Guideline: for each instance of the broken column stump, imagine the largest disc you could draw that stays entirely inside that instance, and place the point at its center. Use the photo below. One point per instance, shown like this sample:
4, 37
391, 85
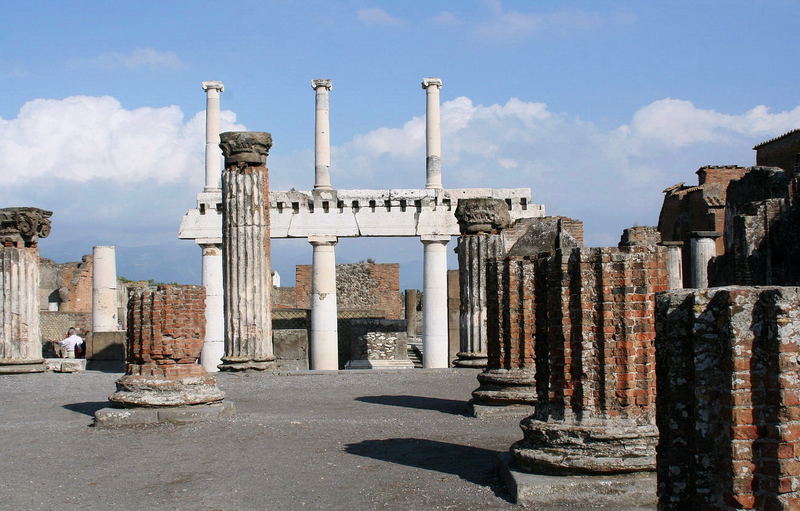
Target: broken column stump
595, 412
729, 398
163, 381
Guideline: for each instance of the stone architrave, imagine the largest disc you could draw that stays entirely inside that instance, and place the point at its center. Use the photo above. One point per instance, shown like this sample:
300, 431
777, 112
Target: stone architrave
480, 242
245, 252
166, 328
20, 339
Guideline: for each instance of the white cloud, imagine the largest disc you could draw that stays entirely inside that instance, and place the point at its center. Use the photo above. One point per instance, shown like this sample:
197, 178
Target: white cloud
509, 25
83, 138
139, 58
377, 16
445, 18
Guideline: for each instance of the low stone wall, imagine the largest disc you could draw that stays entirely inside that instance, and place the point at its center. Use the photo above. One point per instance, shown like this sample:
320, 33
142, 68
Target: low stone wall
728, 400
291, 349
362, 338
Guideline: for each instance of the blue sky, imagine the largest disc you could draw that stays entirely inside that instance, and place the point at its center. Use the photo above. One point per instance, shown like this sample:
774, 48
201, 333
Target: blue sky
597, 106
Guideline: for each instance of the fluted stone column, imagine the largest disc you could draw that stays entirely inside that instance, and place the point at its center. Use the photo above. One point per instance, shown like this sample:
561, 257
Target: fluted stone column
434, 302
245, 252
20, 338
104, 289
433, 133
322, 135
324, 347
480, 242
674, 263
20, 343
703, 249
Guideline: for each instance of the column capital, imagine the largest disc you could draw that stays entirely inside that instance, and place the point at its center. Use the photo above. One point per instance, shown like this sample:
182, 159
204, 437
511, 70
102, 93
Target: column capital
427, 82
251, 147
705, 234
22, 227
482, 214
213, 85
435, 238
322, 82
323, 240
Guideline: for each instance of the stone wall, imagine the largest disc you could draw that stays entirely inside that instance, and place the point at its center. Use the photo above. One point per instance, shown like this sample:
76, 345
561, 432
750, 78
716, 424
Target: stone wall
68, 284
359, 286
165, 327
728, 398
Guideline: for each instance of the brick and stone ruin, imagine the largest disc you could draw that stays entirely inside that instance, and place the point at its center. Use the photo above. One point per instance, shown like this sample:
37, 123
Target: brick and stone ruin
163, 381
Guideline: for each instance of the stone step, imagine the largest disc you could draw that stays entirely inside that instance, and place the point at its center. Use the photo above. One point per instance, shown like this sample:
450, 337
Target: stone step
415, 353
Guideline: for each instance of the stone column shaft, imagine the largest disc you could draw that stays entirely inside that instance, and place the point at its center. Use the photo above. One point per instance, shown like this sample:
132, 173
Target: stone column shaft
433, 133
411, 313
434, 298
674, 264
245, 252
20, 344
474, 253
214, 344
324, 332
703, 249
322, 135
213, 154
104, 289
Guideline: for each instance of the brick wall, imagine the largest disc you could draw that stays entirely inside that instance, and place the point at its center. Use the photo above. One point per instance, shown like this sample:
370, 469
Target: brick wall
728, 408
779, 152
360, 286
166, 327
584, 320
70, 284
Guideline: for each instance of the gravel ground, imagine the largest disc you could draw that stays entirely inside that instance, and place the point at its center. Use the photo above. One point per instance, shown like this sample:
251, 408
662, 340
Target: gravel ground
368, 440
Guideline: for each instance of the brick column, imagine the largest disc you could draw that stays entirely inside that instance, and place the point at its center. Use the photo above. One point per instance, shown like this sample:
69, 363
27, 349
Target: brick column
166, 327
480, 221
729, 398
20, 339
246, 268
595, 406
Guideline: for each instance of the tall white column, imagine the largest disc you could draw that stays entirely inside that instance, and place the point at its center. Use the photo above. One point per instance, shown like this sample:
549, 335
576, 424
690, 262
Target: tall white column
322, 135
324, 333
703, 249
214, 344
213, 153
104, 289
674, 264
434, 302
433, 133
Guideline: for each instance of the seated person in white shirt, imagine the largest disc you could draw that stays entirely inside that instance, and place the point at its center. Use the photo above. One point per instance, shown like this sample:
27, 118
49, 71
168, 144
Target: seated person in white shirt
69, 343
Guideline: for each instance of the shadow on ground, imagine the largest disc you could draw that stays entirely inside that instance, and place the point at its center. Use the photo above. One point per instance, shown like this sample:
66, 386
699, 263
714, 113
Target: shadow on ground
472, 464
88, 407
452, 406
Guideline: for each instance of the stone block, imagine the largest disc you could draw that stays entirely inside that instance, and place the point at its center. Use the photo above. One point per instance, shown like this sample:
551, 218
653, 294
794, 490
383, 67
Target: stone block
106, 346
291, 345
121, 417
631, 492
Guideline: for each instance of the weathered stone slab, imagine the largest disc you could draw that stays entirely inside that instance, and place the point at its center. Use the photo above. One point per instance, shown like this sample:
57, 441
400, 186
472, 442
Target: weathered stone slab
480, 411
630, 492
65, 365
121, 417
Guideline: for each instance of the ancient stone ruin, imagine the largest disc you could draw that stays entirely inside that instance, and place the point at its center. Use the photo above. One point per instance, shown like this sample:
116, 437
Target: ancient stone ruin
20, 345
163, 381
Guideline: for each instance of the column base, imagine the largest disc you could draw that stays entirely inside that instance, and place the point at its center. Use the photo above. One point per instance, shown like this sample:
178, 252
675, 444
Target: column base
506, 387
591, 446
120, 417
18, 366
471, 359
246, 364
136, 391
